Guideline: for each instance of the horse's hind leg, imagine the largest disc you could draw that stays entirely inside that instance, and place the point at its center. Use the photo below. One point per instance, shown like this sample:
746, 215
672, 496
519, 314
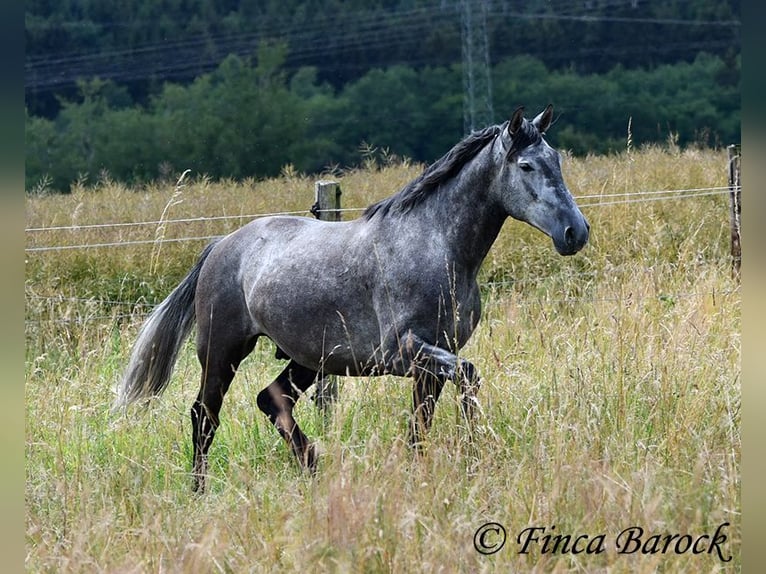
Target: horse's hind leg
218, 370
277, 401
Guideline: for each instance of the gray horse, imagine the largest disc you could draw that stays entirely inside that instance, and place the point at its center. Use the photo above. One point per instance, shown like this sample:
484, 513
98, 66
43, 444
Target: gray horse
392, 292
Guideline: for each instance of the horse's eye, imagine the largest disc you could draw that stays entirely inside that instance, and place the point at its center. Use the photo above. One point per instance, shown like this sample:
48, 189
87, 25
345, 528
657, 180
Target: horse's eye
526, 166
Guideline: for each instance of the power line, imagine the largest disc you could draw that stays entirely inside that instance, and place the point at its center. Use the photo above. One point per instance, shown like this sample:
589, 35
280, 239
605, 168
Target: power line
190, 56
246, 42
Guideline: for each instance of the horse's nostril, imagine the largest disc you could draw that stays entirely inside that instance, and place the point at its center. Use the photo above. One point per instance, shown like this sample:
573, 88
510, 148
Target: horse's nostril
569, 235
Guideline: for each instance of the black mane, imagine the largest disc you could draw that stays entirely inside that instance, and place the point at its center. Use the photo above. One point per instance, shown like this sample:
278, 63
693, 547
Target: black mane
437, 173
448, 166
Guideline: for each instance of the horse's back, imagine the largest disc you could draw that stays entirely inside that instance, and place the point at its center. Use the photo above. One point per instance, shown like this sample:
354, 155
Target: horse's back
301, 282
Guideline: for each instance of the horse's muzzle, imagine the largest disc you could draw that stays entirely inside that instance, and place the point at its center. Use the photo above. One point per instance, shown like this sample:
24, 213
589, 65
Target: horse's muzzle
572, 237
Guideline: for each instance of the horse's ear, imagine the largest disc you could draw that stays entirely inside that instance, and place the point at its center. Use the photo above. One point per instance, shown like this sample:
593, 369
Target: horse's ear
516, 120
543, 121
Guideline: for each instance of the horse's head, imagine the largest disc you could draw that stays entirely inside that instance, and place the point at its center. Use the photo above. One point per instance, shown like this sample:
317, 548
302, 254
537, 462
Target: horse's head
532, 187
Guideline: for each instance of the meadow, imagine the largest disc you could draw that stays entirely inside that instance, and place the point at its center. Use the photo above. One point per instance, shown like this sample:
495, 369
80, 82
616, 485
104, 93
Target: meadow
610, 399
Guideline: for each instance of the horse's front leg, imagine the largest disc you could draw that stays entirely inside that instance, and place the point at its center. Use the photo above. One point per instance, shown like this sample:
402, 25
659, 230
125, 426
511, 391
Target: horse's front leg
425, 392
432, 367
468, 383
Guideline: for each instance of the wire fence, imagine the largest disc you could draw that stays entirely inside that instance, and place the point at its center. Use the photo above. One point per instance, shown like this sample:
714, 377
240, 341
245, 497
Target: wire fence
136, 310
584, 201
159, 222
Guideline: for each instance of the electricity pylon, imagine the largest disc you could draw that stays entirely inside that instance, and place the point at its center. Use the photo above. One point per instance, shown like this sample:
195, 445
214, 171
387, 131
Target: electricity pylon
477, 80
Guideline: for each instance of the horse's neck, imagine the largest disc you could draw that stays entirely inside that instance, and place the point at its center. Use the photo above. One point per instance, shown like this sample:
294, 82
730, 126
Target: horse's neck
465, 214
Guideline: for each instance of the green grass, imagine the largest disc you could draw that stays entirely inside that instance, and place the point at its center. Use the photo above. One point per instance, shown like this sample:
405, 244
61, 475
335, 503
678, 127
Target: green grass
611, 397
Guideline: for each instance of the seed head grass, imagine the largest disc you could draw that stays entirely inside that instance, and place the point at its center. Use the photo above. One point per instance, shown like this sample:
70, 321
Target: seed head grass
610, 397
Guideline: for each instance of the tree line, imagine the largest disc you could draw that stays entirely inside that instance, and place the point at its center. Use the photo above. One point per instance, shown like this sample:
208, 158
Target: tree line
252, 118
144, 43
240, 88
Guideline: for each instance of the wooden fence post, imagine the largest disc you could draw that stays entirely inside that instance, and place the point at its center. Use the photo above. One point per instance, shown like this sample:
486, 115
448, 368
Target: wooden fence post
327, 208
735, 196
326, 201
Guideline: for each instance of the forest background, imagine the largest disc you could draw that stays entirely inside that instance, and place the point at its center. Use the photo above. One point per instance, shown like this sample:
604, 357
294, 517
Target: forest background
144, 90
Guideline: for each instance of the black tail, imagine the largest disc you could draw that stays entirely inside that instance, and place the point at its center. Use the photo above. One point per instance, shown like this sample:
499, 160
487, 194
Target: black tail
156, 349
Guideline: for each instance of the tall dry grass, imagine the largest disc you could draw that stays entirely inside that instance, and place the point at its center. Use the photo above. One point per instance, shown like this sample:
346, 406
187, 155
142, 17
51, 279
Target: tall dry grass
611, 397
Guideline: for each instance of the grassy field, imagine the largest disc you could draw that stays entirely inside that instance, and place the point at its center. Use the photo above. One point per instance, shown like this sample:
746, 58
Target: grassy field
611, 398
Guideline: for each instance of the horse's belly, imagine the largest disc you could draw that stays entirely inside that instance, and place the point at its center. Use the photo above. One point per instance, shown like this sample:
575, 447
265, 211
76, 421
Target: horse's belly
330, 345
322, 325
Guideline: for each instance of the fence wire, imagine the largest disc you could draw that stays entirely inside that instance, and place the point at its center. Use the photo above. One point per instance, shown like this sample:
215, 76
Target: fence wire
598, 200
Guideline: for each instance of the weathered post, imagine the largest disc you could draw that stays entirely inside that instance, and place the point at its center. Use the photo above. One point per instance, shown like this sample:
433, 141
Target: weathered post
735, 196
326, 200
327, 208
